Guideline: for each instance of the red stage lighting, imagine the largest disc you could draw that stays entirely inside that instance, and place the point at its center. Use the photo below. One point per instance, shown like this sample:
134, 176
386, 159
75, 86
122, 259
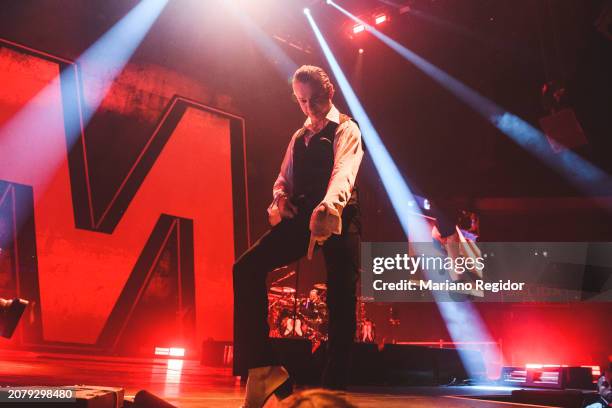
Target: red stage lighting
361, 50
170, 351
379, 19
596, 370
358, 28
552, 376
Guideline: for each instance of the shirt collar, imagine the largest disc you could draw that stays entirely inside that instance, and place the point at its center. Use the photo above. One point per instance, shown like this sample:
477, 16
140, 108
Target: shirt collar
333, 116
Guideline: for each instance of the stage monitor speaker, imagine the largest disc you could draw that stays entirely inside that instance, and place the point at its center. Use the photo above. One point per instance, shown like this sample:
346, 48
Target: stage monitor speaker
578, 377
366, 364
448, 367
408, 365
144, 399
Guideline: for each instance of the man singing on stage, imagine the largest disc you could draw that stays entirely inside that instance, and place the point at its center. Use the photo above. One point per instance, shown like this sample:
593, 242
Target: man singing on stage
314, 203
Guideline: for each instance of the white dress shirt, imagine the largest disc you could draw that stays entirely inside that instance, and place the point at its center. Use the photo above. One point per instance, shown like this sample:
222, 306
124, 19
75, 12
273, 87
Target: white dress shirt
348, 152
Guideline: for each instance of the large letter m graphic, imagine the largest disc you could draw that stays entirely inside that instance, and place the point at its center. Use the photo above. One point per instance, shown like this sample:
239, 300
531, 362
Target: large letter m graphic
87, 266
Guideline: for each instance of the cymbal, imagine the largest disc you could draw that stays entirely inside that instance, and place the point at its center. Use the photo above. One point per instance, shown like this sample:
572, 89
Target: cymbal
281, 302
320, 286
282, 289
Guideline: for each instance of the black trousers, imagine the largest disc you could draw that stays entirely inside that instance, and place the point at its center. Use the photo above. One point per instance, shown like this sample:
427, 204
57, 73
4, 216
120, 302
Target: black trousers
284, 243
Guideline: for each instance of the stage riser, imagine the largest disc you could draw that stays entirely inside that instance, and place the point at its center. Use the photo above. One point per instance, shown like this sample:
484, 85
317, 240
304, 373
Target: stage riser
395, 364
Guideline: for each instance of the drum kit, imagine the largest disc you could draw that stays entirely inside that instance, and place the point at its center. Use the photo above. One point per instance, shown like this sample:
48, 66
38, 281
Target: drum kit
295, 316
307, 316
298, 316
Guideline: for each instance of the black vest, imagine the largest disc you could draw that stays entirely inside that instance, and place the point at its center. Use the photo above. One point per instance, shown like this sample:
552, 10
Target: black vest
313, 165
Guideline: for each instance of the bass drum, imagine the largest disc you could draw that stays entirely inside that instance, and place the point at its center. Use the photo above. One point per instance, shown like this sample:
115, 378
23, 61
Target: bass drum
288, 326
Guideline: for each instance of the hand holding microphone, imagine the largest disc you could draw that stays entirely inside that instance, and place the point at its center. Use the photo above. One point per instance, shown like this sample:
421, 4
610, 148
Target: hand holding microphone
319, 228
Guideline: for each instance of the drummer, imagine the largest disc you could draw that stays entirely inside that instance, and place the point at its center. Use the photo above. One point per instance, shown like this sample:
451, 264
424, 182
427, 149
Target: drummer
310, 306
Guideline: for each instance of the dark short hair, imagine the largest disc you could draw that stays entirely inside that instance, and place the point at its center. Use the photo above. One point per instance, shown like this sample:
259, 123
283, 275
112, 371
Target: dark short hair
314, 76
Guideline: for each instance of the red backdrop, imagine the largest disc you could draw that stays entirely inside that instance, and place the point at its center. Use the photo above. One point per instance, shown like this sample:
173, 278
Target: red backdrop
81, 273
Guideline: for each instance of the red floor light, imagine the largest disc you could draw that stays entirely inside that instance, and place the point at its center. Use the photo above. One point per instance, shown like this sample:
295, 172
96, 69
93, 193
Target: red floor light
596, 370
358, 28
536, 366
170, 351
553, 376
176, 365
162, 351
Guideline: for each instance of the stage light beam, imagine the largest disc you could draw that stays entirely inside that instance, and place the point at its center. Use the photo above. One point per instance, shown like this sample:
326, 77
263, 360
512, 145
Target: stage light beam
582, 174
283, 64
97, 67
462, 320
413, 224
107, 57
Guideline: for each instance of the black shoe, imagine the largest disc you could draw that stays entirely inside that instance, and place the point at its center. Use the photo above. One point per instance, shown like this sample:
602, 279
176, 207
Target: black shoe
256, 400
285, 389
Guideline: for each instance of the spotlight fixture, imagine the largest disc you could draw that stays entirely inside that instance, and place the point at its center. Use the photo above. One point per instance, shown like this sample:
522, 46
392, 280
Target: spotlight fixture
379, 19
358, 28
404, 9
306, 10
10, 313
361, 51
